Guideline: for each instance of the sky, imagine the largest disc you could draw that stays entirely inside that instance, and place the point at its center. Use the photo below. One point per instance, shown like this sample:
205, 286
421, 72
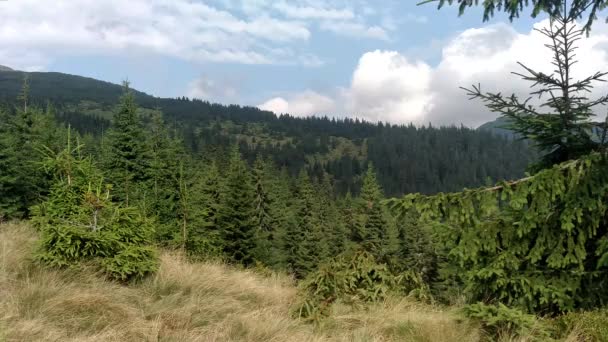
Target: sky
378, 60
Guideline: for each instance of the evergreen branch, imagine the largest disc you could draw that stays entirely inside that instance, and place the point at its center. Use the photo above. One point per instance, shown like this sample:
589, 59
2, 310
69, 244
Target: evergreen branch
497, 103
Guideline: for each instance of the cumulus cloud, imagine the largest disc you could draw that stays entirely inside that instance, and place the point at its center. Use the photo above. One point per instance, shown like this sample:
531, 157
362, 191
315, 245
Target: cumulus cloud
309, 11
389, 86
488, 56
205, 88
33, 35
225, 31
190, 30
340, 17
301, 104
355, 29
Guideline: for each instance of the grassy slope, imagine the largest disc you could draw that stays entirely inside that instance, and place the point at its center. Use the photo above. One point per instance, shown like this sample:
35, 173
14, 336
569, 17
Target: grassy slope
186, 302
206, 301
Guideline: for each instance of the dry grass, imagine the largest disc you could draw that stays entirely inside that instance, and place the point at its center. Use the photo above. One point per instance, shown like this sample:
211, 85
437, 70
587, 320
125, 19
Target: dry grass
187, 302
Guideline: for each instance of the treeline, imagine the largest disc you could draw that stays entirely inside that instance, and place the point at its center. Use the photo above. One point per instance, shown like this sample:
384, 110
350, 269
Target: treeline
141, 187
406, 158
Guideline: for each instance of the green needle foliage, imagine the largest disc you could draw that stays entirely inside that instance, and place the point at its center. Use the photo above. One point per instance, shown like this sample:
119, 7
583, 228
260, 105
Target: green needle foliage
22, 136
205, 234
127, 156
565, 130
375, 234
539, 244
351, 277
306, 245
237, 212
79, 222
588, 9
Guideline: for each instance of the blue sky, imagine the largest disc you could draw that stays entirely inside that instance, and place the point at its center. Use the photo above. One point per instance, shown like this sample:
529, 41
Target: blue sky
386, 60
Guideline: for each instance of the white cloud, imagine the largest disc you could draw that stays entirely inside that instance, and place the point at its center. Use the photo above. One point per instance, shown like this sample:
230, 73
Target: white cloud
489, 55
277, 105
389, 86
301, 104
355, 29
312, 12
222, 31
341, 17
184, 29
206, 88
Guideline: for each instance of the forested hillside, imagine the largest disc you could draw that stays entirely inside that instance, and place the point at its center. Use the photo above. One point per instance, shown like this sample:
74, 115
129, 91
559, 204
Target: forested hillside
129, 217
407, 158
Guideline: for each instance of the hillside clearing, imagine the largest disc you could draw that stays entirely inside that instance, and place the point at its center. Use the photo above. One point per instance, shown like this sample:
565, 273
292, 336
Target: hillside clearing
187, 302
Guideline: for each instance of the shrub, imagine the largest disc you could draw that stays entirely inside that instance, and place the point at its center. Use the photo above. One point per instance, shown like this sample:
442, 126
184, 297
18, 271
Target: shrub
500, 320
351, 278
586, 325
132, 262
79, 222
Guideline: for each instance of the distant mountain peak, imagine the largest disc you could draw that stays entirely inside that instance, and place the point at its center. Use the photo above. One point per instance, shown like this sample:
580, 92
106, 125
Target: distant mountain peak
5, 68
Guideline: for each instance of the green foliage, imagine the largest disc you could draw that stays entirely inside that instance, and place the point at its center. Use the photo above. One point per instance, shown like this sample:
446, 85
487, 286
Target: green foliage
513, 8
415, 251
126, 159
265, 223
537, 244
131, 262
565, 130
407, 158
237, 212
374, 233
587, 326
305, 244
163, 176
22, 181
204, 238
499, 320
351, 277
80, 223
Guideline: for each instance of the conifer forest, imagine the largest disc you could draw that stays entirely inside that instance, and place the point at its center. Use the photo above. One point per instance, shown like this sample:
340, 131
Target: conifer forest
196, 221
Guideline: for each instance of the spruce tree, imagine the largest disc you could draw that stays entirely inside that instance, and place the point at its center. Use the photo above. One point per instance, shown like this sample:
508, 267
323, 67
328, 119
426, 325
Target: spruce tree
375, 235
305, 241
263, 219
24, 137
168, 175
11, 201
283, 210
237, 212
564, 131
208, 188
332, 225
351, 219
126, 157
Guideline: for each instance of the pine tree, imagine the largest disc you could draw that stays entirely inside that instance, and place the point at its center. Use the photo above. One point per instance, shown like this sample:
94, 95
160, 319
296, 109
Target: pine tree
208, 188
283, 212
351, 218
167, 176
11, 201
126, 160
565, 131
263, 219
375, 235
305, 241
24, 94
237, 212
78, 222
332, 226
23, 138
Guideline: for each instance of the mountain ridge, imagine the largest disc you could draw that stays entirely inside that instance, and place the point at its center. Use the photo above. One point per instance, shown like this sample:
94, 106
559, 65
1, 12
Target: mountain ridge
408, 158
